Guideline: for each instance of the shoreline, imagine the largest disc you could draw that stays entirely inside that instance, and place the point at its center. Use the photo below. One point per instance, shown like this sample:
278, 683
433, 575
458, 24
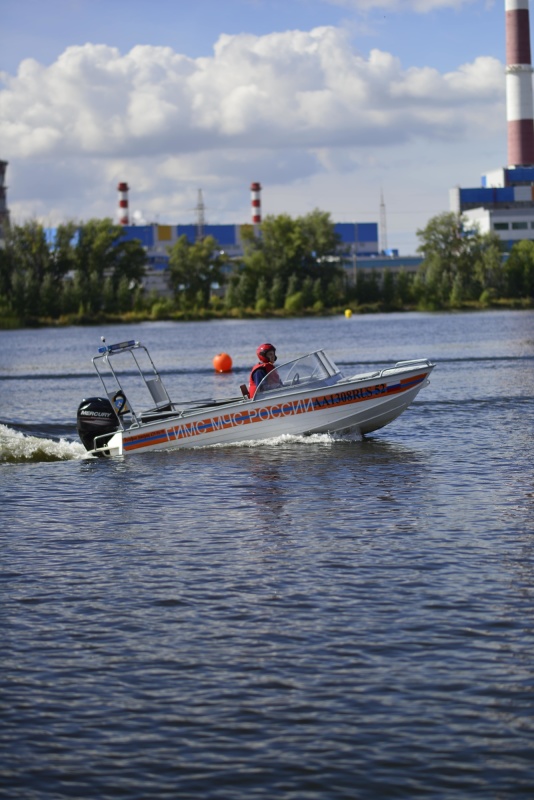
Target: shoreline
205, 315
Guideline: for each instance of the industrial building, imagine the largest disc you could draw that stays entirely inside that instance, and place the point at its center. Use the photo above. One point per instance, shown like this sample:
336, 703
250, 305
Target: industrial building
504, 203
359, 241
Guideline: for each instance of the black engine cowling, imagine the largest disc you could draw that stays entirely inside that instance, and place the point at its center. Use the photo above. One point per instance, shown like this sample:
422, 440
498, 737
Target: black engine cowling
95, 417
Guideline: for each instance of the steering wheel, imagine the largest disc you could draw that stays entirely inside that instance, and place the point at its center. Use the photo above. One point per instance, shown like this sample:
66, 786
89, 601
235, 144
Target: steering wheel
295, 380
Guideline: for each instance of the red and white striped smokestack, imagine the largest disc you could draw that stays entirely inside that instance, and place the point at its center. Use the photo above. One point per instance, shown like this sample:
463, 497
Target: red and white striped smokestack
255, 189
519, 102
122, 189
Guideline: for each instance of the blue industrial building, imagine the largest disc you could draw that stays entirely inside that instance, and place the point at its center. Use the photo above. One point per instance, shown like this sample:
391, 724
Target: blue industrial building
358, 249
503, 204
359, 238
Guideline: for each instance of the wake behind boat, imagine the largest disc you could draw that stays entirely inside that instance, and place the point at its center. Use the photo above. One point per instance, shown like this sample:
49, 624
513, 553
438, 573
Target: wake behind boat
303, 396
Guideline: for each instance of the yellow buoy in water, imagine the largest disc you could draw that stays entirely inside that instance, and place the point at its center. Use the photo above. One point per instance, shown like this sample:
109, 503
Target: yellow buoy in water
222, 362
348, 313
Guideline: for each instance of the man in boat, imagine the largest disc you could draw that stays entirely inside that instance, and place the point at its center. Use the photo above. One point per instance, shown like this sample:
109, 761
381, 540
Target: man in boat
267, 356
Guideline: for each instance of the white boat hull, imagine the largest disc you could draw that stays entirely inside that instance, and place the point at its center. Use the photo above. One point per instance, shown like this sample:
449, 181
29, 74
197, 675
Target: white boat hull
361, 404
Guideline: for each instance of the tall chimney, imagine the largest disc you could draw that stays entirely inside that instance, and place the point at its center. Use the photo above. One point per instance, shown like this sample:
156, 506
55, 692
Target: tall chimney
519, 101
255, 189
124, 219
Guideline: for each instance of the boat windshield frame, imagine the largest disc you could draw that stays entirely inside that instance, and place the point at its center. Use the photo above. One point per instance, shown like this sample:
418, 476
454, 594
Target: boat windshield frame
314, 370
145, 370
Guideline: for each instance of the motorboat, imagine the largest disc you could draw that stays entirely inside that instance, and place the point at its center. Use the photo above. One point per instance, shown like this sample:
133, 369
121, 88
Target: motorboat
306, 395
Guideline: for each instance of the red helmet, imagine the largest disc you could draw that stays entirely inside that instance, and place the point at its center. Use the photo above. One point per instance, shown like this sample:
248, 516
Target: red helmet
263, 349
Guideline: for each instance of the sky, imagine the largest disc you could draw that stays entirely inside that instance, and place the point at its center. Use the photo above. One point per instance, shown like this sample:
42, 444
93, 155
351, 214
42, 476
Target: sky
371, 110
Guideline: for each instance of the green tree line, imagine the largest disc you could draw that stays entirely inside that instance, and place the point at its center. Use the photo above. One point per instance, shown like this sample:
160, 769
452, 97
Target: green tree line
291, 265
84, 270
461, 265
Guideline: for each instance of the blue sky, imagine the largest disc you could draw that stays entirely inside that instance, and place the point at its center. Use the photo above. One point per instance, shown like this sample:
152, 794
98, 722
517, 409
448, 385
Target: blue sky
442, 37
328, 103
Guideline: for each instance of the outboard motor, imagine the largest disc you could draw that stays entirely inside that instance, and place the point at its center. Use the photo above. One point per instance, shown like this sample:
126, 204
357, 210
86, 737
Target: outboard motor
95, 417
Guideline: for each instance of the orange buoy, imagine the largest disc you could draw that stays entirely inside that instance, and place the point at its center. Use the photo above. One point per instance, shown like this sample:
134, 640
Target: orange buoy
222, 363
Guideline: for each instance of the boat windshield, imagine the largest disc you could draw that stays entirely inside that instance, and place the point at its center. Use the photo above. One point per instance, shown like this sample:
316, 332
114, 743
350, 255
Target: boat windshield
313, 369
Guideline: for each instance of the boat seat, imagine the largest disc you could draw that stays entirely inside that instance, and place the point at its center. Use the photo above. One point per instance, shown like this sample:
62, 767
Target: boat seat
159, 395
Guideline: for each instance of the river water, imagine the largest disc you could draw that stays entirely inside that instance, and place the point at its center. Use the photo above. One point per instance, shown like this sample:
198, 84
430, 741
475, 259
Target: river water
299, 619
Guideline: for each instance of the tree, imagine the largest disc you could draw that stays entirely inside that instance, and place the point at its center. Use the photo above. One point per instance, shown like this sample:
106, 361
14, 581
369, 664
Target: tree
388, 288
321, 243
193, 268
231, 297
28, 264
44, 274
307, 292
489, 270
62, 250
403, 288
367, 287
246, 290
305, 247
519, 270
277, 293
335, 291
101, 253
7, 273
262, 296
457, 259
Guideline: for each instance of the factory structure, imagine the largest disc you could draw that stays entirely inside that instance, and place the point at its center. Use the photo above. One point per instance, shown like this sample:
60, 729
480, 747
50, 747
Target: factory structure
504, 203
358, 241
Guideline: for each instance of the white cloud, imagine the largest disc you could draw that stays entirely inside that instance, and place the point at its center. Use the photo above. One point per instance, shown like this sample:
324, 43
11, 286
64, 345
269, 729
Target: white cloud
282, 108
292, 89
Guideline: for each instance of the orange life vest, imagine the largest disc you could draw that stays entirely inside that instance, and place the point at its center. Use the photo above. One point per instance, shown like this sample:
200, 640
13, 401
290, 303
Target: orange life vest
268, 367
